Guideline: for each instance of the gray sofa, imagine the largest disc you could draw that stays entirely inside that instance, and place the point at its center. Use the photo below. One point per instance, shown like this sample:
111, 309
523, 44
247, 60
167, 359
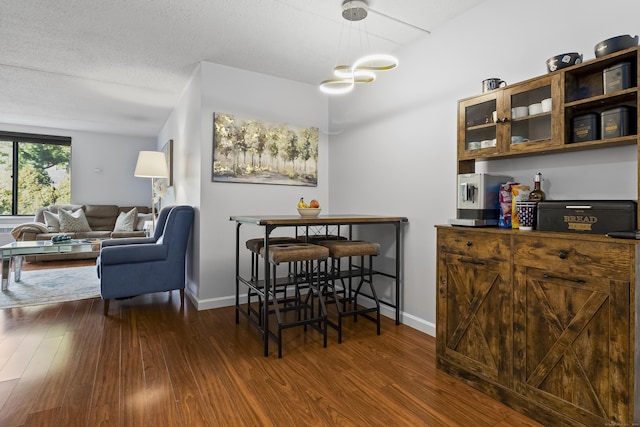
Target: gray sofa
101, 220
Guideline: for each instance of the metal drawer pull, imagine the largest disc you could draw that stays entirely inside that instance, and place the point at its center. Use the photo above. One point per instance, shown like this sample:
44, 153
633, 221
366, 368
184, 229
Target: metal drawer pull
578, 207
549, 276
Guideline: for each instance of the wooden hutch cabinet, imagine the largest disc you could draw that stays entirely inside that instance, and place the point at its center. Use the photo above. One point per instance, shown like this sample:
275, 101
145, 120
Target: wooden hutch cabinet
545, 322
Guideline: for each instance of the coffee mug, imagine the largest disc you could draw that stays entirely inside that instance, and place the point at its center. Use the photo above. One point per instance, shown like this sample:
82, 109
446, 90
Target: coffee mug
491, 84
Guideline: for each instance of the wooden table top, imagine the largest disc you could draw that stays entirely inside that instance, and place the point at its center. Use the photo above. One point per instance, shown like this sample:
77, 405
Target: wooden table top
319, 220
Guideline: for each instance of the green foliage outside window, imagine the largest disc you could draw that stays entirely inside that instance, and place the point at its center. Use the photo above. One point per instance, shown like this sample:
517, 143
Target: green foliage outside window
43, 176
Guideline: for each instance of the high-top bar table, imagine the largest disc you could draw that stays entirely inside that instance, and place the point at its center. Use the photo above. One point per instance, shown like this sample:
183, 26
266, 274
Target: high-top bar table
271, 222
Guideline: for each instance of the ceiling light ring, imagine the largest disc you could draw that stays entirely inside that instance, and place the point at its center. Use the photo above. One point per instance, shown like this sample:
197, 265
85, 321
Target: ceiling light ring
359, 75
337, 86
386, 62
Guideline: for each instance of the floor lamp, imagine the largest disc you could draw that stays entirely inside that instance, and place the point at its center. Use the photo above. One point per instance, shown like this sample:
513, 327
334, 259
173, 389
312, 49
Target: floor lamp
152, 164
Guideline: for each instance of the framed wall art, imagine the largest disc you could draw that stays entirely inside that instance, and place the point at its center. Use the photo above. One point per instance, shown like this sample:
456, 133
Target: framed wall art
167, 149
253, 151
162, 186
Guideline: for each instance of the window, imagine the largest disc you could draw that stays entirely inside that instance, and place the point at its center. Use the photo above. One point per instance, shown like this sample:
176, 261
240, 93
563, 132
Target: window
34, 172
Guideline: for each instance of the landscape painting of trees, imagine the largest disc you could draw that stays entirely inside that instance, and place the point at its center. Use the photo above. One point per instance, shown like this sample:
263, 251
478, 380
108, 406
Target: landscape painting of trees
252, 151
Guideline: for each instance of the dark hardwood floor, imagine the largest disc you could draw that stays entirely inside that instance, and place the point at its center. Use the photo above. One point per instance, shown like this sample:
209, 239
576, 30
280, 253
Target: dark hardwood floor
151, 363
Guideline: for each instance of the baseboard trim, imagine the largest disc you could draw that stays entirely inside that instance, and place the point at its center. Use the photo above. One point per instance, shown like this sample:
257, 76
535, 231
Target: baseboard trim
408, 319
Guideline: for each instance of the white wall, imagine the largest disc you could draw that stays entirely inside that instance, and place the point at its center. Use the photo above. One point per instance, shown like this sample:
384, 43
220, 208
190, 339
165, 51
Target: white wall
184, 127
229, 90
393, 143
102, 166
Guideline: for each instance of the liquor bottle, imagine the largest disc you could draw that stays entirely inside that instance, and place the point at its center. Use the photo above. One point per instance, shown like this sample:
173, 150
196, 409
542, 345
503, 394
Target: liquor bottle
537, 194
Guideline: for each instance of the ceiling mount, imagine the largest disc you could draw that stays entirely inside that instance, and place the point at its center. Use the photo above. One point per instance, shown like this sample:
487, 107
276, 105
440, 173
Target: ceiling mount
354, 10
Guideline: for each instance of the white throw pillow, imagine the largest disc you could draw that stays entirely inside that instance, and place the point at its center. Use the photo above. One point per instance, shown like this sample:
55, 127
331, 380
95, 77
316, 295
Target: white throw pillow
52, 222
141, 220
73, 222
126, 221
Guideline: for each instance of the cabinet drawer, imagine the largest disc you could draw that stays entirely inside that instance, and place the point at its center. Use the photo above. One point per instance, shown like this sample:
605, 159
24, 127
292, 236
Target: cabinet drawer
474, 244
579, 257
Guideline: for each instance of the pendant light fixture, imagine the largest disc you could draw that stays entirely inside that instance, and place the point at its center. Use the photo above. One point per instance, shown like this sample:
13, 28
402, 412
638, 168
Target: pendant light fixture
362, 70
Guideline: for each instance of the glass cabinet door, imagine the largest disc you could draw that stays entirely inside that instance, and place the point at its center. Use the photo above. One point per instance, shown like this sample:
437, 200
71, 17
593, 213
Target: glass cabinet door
477, 134
532, 114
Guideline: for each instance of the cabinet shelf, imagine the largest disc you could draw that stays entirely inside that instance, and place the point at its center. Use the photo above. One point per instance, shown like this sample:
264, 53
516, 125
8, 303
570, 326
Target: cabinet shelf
481, 127
602, 143
627, 95
532, 116
541, 147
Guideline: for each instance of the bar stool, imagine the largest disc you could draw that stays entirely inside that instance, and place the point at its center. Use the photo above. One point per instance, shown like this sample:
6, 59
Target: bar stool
255, 247
306, 253
347, 249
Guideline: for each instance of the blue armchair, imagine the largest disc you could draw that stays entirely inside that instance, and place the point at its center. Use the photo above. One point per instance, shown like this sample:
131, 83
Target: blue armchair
130, 267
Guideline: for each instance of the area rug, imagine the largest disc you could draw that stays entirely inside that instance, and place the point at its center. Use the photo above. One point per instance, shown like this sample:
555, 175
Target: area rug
51, 285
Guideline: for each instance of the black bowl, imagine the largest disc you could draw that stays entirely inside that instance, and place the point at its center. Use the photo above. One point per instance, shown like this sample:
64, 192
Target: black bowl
615, 44
562, 61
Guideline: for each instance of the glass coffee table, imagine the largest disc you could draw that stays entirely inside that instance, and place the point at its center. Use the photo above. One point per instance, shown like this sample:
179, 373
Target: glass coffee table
14, 253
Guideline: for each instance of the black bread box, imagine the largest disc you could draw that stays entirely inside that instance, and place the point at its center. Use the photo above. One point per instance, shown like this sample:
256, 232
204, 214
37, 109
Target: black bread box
587, 216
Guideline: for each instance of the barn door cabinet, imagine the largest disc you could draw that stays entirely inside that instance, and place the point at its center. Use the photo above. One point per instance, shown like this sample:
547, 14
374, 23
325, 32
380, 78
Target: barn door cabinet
543, 322
474, 301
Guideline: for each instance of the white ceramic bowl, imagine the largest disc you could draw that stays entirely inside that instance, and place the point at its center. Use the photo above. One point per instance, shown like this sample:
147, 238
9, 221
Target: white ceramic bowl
518, 112
486, 143
518, 139
546, 105
535, 108
473, 145
309, 212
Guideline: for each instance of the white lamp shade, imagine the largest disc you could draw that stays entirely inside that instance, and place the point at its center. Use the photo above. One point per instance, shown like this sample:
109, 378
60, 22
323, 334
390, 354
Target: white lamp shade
151, 164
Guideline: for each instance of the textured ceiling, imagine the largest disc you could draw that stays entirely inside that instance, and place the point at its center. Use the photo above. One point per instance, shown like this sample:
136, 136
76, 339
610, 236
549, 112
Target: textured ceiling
119, 66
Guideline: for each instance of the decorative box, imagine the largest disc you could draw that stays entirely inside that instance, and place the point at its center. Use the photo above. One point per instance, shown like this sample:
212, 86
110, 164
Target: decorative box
587, 216
617, 77
585, 127
615, 122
